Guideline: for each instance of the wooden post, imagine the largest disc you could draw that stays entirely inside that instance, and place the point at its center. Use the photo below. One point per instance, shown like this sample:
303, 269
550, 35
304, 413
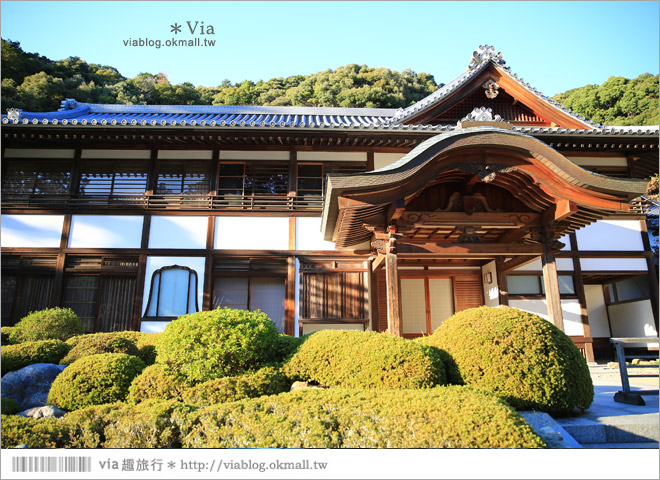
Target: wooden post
551, 282
501, 281
392, 283
652, 273
290, 298
582, 298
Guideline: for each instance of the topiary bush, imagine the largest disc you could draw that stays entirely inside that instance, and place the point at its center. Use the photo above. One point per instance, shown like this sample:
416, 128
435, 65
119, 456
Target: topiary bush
49, 324
95, 380
518, 356
9, 406
266, 381
15, 357
4, 335
155, 383
219, 343
33, 432
354, 359
285, 346
441, 417
96, 343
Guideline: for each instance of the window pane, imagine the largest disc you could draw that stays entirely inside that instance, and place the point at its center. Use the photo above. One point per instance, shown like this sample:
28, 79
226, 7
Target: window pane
173, 296
441, 297
566, 285
523, 284
631, 289
310, 171
230, 292
413, 305
267, 295
231, 169
36, 177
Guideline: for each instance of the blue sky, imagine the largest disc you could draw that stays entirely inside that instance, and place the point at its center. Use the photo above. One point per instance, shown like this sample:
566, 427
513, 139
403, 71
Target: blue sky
554, 46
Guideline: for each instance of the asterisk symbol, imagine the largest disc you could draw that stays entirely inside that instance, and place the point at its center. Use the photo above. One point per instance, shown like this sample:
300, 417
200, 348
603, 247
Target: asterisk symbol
176, 28
171, 465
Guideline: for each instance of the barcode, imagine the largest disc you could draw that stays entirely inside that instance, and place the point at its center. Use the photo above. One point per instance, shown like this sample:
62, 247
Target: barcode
51, 464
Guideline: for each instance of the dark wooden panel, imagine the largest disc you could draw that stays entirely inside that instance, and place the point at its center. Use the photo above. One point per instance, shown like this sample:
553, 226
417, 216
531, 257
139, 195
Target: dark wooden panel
468, 293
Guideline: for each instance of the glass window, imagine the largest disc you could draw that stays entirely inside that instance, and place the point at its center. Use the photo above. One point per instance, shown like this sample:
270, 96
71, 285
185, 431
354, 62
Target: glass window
630, 289
310, 179
524, 285
173, 292
183, 177
36, 177
566, 285
108, 177
230, 181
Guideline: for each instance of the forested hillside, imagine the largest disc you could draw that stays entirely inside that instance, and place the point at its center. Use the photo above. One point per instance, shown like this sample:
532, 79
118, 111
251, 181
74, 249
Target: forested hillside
35, 83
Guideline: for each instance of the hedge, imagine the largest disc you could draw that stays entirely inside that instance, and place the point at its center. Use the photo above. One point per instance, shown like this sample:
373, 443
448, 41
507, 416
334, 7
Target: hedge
219, 343
95, 380
518, 356
4, 335
33, 432
442, 417
155, 383
15, 357
49, 324
9, 406
96, 343
354, 359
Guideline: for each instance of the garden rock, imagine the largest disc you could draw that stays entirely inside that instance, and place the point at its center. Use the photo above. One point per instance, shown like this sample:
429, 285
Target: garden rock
30, 385
304, 386
43, 412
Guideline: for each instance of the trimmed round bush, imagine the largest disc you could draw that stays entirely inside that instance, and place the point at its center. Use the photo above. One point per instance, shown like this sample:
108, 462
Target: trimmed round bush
4, 335
96, 343
285, 346
15, 357
9, 406
95, 380
354, 359
441, 417
518, 356
155, 383
219, 343
33, 432
49, 324
266, 381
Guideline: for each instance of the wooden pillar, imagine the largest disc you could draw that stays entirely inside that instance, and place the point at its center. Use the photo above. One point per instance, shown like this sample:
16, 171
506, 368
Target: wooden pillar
207, 298
551, 282
370, 161
392, 284
502, 287
582, 298
290, 298
58, 281
139, 291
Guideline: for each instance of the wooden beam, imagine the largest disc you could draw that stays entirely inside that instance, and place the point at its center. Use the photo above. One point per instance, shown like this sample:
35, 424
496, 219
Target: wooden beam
483, 219
515, 262
582, 299
469, 249
560, 211
551, 282
393, 294
378, 263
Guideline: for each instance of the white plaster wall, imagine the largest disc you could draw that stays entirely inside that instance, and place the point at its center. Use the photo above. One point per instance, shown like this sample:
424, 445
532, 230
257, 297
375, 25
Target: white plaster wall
563, 265
253, 155
613, 264
309, 236
178, 232
384, 159
610, 235
131, 154
252, 233
491, 290
154, 263
31, 230
332, 156
632, 319
315, 327
105, 231
597, 311
39, 153
185, 154
570, 310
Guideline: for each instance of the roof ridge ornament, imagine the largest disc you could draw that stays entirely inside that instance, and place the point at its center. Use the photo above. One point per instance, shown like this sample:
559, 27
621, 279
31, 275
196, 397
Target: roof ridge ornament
14, 113
483, 54
481, 114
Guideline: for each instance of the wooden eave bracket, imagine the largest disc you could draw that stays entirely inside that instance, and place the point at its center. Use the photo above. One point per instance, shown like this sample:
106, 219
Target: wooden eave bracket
560, 211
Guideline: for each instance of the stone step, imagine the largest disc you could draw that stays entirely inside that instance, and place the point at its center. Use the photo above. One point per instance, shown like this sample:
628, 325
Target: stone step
644, 428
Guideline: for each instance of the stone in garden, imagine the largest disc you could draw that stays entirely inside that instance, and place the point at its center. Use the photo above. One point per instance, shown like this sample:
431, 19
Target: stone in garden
30, 385
304, 386
43, 412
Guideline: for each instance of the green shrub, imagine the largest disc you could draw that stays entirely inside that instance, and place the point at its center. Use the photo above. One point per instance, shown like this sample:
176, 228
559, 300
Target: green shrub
4, 335
441, 417
452, 373
152, 424
214, 344
155, 383
144, 341
285, 346
9, 406
96, 343
15, 357
95, 380
33, 432
266, 381
354, 359
518, 356
49, 324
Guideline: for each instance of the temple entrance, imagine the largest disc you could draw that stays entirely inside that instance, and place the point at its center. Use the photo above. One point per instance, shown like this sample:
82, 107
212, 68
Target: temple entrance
425, 303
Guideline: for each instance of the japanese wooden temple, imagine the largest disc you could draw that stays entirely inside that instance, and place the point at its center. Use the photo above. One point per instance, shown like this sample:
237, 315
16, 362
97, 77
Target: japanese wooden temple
485, 192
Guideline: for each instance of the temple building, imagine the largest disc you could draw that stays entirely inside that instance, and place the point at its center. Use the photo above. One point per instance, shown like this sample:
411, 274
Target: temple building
486, 192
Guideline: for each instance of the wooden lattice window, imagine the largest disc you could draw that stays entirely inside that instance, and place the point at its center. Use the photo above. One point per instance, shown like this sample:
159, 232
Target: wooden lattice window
329, 296
36, 177
178, 177
113, 177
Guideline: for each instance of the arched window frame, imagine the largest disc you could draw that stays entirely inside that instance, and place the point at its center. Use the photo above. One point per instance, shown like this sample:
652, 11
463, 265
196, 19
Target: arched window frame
192, 278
